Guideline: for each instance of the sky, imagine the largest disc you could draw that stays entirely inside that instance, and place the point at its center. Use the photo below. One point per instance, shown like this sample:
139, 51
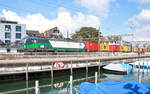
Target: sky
113, 17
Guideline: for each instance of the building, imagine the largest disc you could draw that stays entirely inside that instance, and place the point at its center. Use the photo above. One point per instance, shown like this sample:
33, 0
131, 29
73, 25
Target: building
11, 31
53, 33
35, 33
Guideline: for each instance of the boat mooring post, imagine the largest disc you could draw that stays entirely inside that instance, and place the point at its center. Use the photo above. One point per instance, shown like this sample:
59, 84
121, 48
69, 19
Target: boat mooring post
52, 71
139, 67
95, 77
71, 85
52, 88
27, 72
147, 66
143, 66
140, 77
71, 68
134, 67
148, 69
27, 86
134, 70
37, 90
99, 67
87, 71
127, 69
87, 67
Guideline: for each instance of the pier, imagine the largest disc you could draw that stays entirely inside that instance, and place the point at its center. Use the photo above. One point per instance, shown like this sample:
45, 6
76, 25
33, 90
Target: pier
50, 63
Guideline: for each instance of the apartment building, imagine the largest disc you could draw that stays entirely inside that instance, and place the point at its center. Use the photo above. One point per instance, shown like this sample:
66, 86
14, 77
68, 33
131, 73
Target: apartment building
11, 31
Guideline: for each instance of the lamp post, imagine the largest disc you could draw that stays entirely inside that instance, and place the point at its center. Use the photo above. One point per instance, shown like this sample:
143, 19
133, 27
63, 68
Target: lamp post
99, 39
132, 27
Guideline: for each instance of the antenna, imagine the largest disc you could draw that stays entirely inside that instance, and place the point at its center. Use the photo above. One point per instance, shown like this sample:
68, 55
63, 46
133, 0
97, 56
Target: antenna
132, 27
67, 34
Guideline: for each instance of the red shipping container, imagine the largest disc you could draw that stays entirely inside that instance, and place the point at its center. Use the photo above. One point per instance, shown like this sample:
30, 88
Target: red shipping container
117, 48
114, 48
91, 46
111, 48
138, 49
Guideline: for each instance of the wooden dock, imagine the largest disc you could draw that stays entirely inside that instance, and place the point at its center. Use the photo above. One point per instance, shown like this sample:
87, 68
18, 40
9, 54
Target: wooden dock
35, 65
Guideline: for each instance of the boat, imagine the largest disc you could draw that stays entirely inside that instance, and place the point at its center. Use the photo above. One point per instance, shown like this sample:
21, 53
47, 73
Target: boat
118, 68
142, 65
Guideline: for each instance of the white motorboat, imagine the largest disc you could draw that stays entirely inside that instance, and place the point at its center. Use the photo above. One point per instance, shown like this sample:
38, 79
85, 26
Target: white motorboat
118, 67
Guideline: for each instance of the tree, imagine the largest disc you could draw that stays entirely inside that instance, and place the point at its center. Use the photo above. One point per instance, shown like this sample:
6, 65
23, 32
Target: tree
86, 34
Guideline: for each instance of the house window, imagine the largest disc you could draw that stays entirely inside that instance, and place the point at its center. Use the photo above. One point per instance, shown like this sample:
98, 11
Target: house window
7, 35
18, 35
7, 27
18, 28
7, 41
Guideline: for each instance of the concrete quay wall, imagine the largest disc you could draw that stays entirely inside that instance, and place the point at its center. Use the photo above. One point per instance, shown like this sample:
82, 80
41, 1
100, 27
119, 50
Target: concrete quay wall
67, 59
48, 64
4, 56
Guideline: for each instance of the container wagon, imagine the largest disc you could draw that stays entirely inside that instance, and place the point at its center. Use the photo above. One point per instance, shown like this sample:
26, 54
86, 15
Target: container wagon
104, 47
145, 50
126, 48
91, 46
139, 49
135, 49
121, 48
114, 48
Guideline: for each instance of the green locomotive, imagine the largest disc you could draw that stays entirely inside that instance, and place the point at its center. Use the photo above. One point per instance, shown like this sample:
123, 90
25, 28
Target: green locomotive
36, 44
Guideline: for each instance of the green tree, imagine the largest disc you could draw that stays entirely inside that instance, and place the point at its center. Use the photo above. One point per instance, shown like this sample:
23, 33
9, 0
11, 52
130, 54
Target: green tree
87, 34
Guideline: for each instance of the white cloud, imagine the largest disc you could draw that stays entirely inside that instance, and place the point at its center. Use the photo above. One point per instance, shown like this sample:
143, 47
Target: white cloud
142, 21
99, 6
144, 16
143, 33
33, 21
143, 3
64, 21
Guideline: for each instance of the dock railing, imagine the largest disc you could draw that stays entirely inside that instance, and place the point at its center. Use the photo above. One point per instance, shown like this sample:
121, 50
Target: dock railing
33, 65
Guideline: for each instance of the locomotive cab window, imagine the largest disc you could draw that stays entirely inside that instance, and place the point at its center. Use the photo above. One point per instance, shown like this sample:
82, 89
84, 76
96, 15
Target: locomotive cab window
42, 41
30, 41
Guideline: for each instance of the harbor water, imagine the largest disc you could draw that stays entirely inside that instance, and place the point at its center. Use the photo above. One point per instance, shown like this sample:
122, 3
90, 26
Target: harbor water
60, 84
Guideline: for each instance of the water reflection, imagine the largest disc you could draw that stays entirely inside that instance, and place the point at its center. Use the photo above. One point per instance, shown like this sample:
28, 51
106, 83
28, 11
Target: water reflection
27, 87
140, 77
60, 85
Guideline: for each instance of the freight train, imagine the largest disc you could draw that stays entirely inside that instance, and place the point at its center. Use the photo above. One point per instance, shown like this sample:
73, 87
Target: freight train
35, 44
